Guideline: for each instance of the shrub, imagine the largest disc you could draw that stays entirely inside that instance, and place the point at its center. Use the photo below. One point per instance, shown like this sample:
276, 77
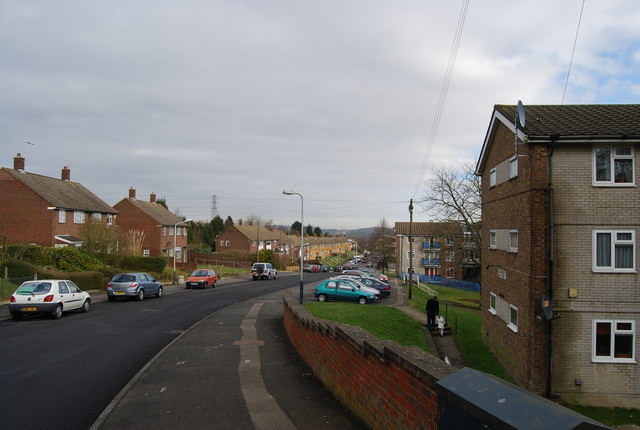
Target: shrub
71, 259
17, 268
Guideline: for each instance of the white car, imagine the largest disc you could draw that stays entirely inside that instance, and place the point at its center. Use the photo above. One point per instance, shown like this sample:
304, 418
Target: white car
48, 296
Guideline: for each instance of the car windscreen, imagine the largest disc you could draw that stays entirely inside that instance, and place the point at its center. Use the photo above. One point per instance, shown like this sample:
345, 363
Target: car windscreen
199, 273
34, 288
123, 278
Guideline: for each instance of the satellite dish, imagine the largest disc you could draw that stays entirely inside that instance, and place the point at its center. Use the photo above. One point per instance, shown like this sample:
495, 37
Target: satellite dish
521, 117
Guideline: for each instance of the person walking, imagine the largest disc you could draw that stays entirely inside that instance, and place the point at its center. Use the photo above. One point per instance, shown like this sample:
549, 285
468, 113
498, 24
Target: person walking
432, 308
441, 324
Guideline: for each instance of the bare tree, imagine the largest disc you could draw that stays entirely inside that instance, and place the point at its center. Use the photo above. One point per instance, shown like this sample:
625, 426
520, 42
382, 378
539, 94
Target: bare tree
455, 195
381, 245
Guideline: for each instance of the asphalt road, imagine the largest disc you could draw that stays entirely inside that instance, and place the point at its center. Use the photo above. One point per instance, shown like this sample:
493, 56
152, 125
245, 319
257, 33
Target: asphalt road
63, 373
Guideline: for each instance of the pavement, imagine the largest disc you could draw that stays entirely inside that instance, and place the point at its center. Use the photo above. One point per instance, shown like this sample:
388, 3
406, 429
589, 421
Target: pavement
236, 369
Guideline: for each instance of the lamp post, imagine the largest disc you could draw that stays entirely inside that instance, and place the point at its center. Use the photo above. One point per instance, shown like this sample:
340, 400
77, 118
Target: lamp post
353, 241
291, 193
175, 242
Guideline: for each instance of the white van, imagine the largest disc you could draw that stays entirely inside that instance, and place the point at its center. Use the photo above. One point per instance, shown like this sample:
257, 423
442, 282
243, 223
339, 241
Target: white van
263, 271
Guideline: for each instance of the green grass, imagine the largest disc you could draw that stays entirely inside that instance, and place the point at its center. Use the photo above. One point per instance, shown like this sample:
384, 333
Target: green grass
383, 322
609, 416
6, 289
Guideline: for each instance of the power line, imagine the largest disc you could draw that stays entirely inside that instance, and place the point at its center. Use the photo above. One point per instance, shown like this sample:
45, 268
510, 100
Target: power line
443, 93
575, 42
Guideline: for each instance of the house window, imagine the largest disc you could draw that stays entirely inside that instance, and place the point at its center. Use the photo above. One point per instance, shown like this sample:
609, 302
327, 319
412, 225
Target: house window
171, 231
513, 318
613, 165
613, 341
146, 253
109, 219
449, 241
513, 240
614, 251
78, 217
449, 271
227, 243
62, 216
492, 177
450, 256
492, 239
492, 303
513, 167
411, 254
222, 243
184, 231
96, 216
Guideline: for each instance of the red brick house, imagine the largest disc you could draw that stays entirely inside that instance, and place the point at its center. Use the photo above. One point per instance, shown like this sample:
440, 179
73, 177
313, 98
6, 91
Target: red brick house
154, 226
41, 210
560, 284
251, 239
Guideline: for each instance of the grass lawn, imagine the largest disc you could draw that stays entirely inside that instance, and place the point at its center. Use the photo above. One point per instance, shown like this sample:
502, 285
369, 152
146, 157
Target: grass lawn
6, 289
384, 322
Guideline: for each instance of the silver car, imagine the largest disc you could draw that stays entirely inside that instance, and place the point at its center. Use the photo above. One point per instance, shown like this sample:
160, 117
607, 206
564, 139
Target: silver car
133, 285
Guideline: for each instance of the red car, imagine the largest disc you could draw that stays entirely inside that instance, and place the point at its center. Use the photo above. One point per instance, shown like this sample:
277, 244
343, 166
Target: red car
202, 278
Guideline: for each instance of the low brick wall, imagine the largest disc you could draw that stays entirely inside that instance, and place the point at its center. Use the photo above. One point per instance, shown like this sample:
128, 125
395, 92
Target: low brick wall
386, 385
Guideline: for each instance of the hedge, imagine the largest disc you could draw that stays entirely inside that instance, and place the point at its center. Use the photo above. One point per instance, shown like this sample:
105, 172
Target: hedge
143, 264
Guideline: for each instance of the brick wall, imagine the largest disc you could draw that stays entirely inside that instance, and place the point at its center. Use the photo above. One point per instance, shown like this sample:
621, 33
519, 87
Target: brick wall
517, 278
130, 217
386, 385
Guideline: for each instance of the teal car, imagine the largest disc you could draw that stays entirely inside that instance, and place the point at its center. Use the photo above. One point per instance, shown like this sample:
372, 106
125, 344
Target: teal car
343, 290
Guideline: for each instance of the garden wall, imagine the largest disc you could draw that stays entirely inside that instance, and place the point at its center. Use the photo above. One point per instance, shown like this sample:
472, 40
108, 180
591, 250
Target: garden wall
386, 385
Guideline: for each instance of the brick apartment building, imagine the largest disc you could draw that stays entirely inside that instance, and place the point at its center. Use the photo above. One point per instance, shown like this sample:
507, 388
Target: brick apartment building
37, 209
560, 287
440, 251
156, 224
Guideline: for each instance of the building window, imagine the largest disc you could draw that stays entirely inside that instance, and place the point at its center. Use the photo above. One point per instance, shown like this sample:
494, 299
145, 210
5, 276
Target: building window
449, 241
411, 254
96, 216
492, 303
78, 217
62, 216
614, 251
222, 243
227, 243
513, 318
184, 231
171, 231
449, 272
613, 165
450, 256
513, 167
109, 219
146, 253
492, 177
492, 239
513, 240
613, 341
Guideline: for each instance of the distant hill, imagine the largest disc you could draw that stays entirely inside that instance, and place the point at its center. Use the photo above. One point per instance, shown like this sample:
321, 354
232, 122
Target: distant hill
363, 233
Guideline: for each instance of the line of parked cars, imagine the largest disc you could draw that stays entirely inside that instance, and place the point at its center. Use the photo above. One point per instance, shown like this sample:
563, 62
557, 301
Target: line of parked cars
55, 296
360, 286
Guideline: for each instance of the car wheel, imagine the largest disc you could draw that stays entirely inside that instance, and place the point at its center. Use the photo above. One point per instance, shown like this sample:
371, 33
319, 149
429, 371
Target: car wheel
57, 313
322, 298
16, 316
159, 293
140, 296
86, 306
362, 300
214, 285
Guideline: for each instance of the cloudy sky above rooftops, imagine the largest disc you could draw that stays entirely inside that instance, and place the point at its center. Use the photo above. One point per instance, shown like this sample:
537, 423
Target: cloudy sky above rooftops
334, 99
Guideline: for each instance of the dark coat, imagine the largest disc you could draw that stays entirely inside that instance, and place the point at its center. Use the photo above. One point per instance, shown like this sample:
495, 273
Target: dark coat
433, 307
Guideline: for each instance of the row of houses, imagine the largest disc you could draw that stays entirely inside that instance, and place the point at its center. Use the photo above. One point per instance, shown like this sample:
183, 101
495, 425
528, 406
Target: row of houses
46, 211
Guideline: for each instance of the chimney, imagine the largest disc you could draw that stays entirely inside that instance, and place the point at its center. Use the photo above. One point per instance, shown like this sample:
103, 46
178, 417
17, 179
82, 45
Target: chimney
132, 193
152, 197
66, 174
18, 162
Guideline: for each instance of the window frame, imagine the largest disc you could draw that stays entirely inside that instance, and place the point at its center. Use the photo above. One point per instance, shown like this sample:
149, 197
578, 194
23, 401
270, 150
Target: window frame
513, 167
614, 241
450, 256
513, 326
511, 236
492, 303
78, 217
62, 216
611, 358
493, 177
493, 239
613, 156
449, 272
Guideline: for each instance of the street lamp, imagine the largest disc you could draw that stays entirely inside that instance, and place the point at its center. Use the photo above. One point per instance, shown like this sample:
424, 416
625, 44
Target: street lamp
175, 242
291, 193
353, 241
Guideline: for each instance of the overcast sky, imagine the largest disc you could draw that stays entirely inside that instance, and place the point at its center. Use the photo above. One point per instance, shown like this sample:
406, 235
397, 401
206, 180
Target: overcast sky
334, 99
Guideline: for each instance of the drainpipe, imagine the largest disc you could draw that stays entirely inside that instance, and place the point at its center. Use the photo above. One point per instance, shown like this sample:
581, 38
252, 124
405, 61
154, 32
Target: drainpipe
550, 268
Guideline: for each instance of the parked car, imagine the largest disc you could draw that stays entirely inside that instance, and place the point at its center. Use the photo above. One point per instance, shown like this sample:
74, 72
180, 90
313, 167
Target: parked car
377, 274
358, 273
263, 271
324, 268
337, 268
382, 287
202, 278
343, 290
48, 296
133, 285
359, 285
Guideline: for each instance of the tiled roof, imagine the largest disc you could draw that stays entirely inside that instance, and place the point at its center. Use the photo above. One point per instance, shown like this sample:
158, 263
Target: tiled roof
576, 120
62, 194
429, 228
156, 211
253, 232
